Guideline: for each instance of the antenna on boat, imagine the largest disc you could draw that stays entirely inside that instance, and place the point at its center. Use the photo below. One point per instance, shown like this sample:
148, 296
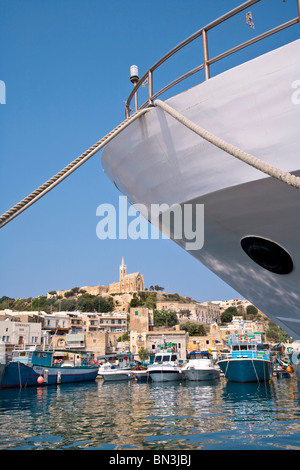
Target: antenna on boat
134, 78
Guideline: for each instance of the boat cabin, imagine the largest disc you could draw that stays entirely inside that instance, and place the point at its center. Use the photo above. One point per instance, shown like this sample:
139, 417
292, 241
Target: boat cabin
117, 360
61, 358
199, 355
36, 357
248, 346
166, 358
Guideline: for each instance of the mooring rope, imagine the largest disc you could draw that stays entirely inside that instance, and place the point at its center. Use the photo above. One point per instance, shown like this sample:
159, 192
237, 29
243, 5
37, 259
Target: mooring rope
60, 176
255, 162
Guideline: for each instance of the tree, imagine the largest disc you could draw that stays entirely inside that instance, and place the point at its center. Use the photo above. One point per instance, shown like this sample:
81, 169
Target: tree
134, 302
251, 310
275, 334
164, 318
142, 354
40, 303
185, 313
69, 293
193, 329
226, 316
6, 302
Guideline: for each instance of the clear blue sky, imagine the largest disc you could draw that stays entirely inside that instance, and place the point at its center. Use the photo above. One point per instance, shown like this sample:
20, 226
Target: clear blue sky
66, 64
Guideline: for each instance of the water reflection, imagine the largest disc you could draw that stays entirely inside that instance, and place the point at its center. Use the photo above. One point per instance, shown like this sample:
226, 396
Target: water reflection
129, 415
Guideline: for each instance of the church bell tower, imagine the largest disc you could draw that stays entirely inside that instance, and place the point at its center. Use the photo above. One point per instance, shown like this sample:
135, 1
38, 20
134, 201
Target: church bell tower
123, 270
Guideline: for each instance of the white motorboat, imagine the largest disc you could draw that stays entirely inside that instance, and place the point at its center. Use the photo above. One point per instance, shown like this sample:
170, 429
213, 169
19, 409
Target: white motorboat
200, 366
165, 368
119, 369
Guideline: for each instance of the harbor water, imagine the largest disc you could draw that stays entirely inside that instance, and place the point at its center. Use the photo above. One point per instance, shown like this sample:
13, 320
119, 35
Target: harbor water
152, 416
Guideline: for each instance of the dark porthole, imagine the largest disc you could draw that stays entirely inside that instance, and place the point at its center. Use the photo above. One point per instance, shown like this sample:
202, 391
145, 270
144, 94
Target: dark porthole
268, 254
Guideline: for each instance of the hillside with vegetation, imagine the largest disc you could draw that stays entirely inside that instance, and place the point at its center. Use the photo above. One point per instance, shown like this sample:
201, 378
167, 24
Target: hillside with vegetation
77, 299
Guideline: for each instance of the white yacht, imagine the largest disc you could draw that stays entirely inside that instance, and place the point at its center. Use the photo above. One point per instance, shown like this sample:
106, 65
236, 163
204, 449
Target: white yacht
249, 189
165, 368
200, 366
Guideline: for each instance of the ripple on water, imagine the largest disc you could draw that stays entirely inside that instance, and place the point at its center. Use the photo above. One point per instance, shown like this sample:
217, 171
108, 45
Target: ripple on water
153, 416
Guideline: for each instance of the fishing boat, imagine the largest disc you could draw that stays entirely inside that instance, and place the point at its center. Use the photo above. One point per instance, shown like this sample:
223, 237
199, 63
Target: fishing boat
282, 368
200, 366
250, 359
38, 367
166, 367
228, 147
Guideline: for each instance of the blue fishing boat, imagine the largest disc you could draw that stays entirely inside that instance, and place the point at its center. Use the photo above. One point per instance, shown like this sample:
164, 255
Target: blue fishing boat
36, 367
249, 360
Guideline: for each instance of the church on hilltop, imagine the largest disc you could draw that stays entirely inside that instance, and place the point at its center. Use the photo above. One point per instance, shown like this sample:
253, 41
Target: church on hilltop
127, 282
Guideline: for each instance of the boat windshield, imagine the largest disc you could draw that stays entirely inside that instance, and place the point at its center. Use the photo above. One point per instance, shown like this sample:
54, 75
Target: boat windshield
199, 355
243, 347
165, 358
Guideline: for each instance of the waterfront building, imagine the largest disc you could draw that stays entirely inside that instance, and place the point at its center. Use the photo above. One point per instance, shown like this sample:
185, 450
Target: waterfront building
114, 322
211, 341
90, 322
141, 319
144, 337
159, 339
58, 323
15, 333
22, 316
239, 304
206, 312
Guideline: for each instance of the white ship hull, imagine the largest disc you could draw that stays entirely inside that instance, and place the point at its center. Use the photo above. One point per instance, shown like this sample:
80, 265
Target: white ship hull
158, 160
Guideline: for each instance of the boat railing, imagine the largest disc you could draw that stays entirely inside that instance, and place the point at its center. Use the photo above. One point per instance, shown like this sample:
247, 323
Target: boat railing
207, 62
250, 354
